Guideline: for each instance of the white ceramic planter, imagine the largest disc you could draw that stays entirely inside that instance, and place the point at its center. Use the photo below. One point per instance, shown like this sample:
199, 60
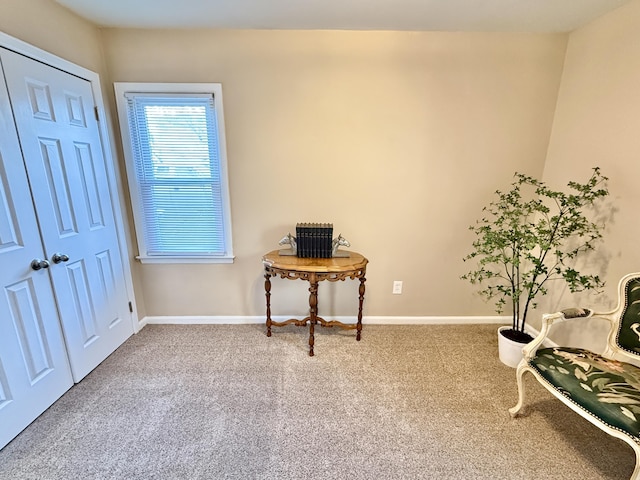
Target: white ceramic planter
510, 352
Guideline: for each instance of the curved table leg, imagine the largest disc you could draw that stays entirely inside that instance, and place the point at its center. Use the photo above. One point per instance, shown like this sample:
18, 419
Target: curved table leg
313, 309
267, 294
360, 302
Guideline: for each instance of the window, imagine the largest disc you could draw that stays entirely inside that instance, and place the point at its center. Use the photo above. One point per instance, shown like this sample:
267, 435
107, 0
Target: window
173, 138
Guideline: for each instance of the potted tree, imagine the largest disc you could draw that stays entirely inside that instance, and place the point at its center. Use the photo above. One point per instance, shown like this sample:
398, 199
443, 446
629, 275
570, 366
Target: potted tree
529, 236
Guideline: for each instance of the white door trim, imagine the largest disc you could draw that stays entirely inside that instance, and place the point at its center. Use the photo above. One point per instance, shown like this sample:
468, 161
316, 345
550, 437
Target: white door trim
113, 170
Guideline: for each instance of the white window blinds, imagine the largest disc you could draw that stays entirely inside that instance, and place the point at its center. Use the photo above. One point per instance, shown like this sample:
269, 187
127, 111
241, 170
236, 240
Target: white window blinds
174, 140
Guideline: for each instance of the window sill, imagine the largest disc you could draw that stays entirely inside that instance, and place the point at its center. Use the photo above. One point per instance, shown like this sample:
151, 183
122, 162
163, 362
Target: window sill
168, 259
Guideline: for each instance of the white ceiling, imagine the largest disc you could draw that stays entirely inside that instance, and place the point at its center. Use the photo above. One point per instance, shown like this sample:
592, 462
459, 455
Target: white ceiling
412, 15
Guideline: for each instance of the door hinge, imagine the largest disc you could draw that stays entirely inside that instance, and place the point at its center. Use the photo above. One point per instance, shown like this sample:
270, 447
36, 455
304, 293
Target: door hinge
130, 307
95, 109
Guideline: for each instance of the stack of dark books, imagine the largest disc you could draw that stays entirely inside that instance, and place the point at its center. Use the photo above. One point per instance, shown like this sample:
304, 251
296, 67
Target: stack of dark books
314, 240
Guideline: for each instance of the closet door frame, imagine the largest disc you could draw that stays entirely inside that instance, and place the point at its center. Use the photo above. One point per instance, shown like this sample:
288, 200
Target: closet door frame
112, 167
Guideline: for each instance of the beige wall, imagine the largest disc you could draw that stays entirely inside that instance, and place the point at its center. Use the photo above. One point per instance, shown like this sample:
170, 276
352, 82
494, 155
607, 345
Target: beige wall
397, 138
52, 28
597, 123
47, 25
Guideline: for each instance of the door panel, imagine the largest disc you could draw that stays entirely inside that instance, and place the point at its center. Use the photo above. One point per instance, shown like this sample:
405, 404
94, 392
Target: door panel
28, 321
34, 370
58, 183
60, 139
90, 189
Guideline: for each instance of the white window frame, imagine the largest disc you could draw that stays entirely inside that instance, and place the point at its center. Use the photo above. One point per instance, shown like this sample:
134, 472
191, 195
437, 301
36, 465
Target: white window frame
215, 89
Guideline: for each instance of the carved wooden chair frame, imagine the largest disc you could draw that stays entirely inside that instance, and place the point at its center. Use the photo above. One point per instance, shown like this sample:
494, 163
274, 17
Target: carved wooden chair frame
613, 351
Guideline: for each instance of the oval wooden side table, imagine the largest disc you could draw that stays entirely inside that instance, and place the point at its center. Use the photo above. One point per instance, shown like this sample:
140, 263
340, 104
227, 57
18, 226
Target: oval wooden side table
315, 270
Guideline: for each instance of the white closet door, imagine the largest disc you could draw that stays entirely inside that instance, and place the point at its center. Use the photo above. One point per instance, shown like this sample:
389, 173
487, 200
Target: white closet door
34, 371
60, 139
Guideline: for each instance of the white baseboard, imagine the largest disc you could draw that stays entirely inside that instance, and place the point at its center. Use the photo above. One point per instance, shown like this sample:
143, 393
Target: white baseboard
141, 324
367, 320
444, 320
534, 333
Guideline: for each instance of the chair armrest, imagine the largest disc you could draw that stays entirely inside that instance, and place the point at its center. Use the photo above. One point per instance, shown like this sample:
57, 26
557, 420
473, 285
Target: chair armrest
529, 351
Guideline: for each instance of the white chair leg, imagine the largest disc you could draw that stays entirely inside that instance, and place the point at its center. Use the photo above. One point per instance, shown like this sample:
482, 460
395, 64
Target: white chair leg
519, 373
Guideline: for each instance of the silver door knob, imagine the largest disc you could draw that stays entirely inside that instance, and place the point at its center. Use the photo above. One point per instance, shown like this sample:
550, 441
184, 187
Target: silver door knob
59, 257
38, 264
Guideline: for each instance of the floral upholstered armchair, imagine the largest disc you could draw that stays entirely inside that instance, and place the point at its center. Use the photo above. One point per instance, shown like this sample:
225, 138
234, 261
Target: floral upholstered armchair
604, 389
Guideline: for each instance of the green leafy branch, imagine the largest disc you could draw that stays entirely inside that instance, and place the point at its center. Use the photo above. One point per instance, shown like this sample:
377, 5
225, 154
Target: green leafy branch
531, 235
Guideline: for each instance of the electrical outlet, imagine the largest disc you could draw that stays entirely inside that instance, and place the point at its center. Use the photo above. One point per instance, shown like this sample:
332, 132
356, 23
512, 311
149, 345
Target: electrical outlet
397, 287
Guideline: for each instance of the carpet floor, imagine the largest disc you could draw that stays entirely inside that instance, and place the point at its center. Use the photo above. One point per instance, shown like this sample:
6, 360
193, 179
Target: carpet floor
226, 402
